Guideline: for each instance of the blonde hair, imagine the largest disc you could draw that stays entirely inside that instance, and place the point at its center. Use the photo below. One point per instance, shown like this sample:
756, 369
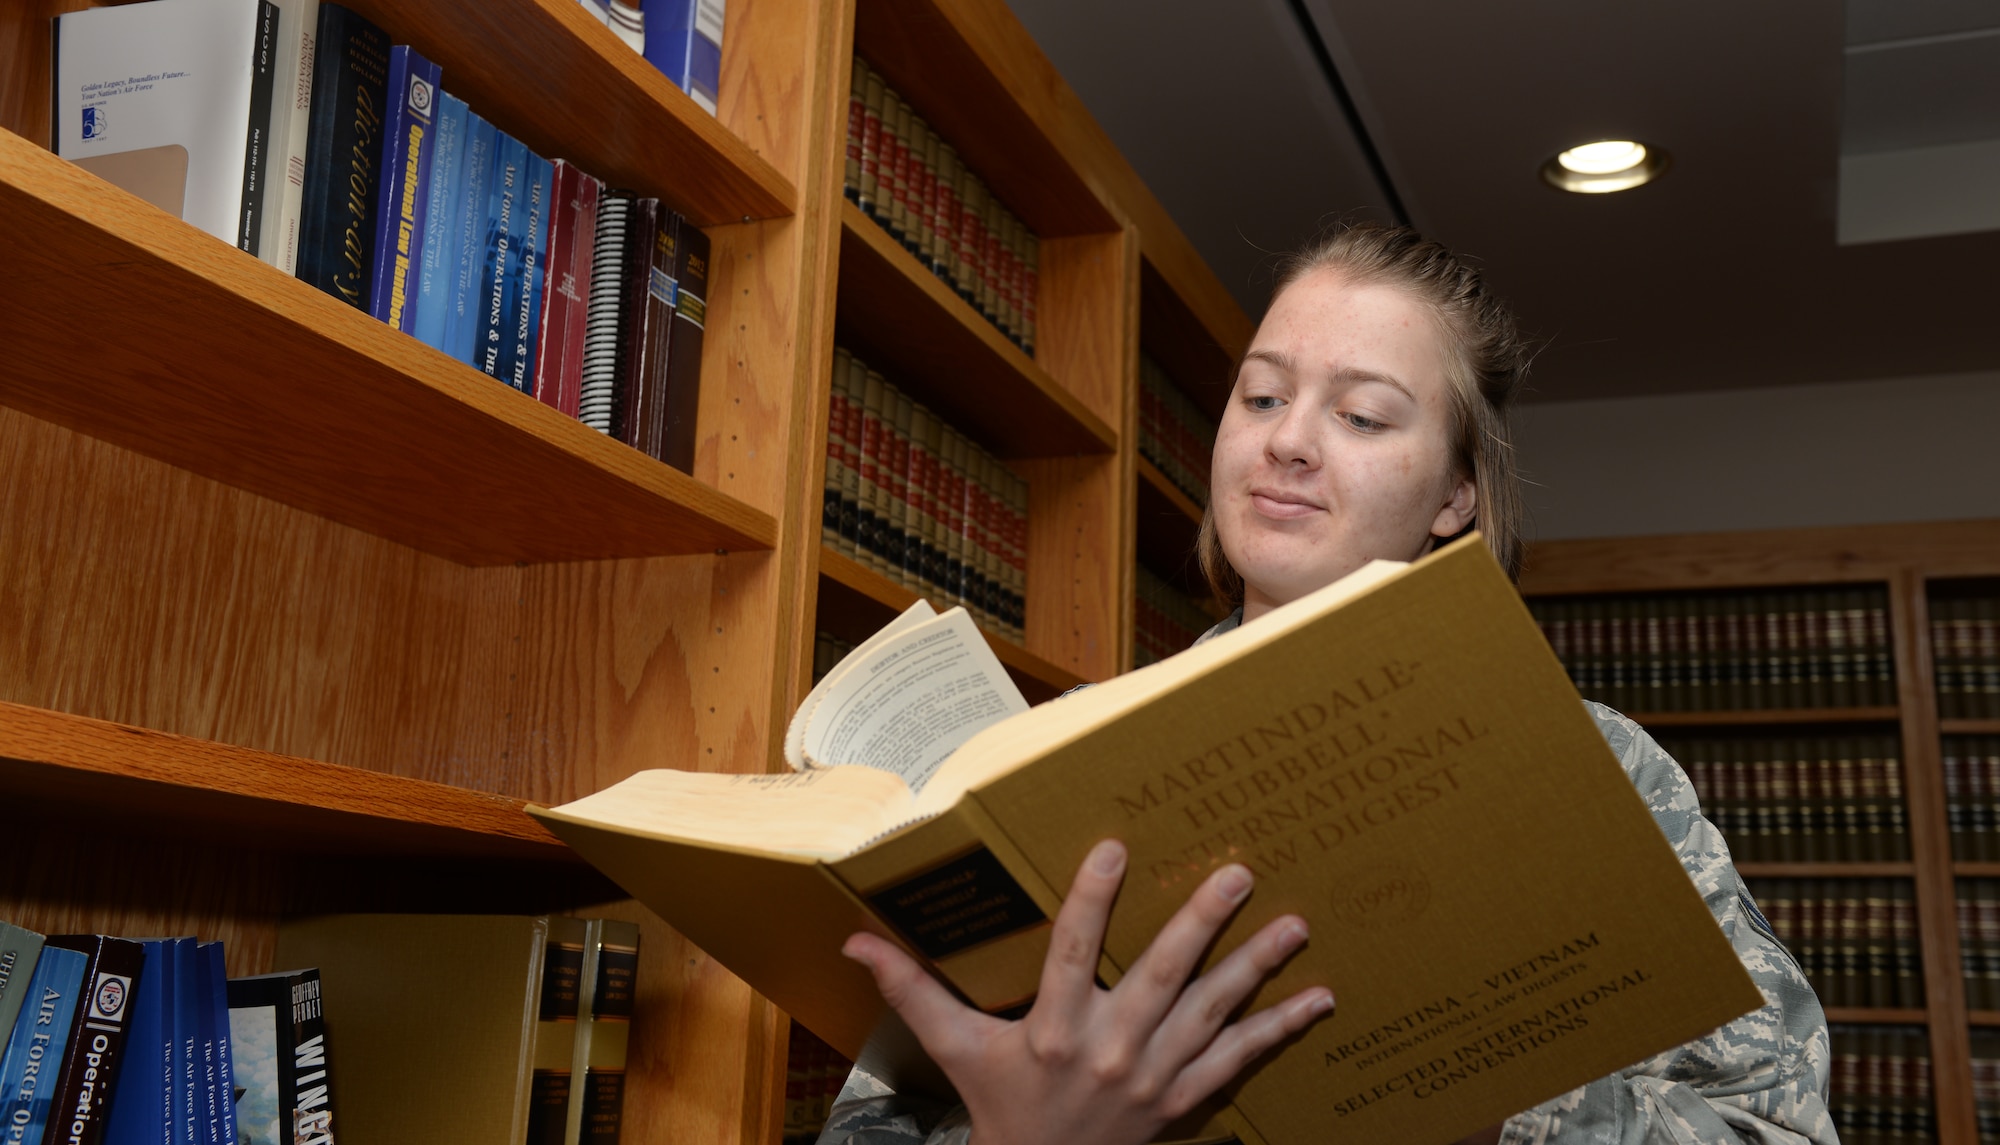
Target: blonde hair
1487, 361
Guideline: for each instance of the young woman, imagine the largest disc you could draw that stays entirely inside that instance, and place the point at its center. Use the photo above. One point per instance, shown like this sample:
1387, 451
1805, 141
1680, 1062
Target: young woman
1368, 419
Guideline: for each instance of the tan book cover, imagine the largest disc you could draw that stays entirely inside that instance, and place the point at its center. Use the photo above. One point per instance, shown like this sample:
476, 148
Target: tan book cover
1400, 759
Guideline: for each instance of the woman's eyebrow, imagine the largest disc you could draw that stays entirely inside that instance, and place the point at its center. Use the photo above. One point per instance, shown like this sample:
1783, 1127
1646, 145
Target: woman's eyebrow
1353, 374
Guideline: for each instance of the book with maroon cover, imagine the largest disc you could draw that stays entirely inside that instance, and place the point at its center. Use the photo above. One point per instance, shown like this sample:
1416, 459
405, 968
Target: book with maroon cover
655, 334
566, 299
97, 1035
690, 318
635, 407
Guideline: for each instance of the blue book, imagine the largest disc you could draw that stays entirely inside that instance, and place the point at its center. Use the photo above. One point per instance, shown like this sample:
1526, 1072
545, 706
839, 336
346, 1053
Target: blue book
403, 195
142, 1096
447, 183
496, 284
461, 323
684, 41
29, 1069
217, 976
188, 1123
538, 191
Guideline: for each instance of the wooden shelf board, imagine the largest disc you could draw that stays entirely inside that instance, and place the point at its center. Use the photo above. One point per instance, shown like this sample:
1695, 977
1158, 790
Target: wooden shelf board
1883, 714
220, 791
1970, 727
1983, 1017
1826, 870
1874, 1016
227, 368
863, 590
1976, 869
1845, 554
546, 73
903, 320
935, 58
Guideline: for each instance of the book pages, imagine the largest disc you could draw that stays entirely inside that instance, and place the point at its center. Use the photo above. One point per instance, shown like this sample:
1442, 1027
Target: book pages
795, 732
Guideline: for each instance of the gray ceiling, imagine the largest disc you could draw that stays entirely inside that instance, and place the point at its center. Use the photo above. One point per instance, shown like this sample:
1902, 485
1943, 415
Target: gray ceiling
1724, 273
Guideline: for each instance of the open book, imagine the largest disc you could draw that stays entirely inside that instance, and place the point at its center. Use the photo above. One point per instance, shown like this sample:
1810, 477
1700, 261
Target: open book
1398, 757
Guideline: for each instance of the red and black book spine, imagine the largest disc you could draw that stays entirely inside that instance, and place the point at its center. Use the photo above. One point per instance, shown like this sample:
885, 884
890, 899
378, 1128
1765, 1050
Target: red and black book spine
683, 362
566, 299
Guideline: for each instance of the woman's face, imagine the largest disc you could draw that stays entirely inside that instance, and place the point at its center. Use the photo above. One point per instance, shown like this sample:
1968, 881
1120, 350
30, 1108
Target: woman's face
1334, 448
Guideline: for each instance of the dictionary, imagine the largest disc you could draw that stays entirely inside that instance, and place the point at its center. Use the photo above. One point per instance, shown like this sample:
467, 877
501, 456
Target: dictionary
1398, 757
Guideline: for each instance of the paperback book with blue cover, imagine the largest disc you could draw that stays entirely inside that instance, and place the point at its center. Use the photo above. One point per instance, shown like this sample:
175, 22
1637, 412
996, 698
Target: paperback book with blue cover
403, 196
29, 1069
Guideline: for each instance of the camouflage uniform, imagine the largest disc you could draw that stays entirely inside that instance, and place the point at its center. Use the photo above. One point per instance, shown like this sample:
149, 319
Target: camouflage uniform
1761, 1078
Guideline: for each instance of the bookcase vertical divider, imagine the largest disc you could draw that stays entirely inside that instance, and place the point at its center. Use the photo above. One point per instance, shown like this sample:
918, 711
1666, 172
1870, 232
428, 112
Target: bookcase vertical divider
1930, 848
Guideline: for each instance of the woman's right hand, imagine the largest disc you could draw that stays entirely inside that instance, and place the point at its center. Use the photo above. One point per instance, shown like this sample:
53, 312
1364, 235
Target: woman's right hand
1089, 1066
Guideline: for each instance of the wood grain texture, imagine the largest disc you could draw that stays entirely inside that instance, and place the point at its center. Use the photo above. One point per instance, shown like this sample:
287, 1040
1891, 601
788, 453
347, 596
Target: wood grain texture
855, 601
1930, 849
223, 366
1198, 349
903, 320
953, 75
1753, 718
1754, 559
1077, 564
1089, 312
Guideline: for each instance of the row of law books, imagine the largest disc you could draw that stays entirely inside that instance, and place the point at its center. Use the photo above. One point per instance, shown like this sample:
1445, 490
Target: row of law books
1174, 434
396, 198
904, 175
1726, 651
1880, 1090
1856, 939
112, 1041
1978, 914
814, 1075
1972, 796
923, 504
1965, 653
1165, 620
1791, 799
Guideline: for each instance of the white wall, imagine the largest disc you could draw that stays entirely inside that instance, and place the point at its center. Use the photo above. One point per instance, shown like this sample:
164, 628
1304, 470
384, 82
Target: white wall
1910, 449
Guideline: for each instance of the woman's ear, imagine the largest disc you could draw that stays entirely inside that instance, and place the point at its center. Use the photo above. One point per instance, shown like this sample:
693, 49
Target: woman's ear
1458, 511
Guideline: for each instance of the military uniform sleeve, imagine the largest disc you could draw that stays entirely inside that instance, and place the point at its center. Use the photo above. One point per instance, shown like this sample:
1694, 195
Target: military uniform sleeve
868, 1112
1761, 1078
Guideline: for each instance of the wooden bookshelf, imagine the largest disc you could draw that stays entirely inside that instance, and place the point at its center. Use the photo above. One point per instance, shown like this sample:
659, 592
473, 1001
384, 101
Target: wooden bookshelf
1905, 559
1876, 1016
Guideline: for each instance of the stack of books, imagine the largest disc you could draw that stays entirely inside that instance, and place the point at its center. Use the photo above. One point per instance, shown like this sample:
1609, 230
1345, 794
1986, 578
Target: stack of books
1965, 652
1173, 433
1881, 1086
1856, 939
1785, 799
906, 177
359, 173
1166, 621
814, 1073
1727, 651
1979, 941
922, 503
1972, 796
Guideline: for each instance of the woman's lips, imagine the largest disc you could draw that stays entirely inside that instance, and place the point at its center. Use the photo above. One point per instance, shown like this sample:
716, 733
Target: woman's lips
1281, 506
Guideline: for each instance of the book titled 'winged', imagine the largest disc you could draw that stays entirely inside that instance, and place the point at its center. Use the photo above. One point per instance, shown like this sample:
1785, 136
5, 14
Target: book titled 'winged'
1398, 757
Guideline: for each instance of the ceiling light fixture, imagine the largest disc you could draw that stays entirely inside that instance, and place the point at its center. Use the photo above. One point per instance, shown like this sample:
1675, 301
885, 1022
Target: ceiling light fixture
1604, 166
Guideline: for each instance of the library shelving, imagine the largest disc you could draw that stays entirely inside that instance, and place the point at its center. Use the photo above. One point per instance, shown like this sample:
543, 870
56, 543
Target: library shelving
1909, 567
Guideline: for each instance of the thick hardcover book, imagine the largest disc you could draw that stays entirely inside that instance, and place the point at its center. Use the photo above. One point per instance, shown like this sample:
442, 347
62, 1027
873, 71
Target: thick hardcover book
291, 123
441, 222
450, 999
343, 155
34, 1051
98, 1036
1372, 751
690, 318
171, 100
684, 41
19, 948
142, 1094
500, 273
566, 292
551, 1088
468, 264
277, 1037
402, 199
531, 250
603, 1035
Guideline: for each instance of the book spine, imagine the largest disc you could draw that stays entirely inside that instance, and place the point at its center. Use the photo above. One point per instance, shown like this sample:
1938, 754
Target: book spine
291, 124
684, 41
257, 136
350, 85
551, 1092
35, 1045
142, 1092
225, 1058
655, 342
537, 193
403, 192
613, 999
552, 328
835, 475
209, 1050
98, 1038
441, 228
184, 1122
633, 411
468, 265
604, 316
309, 1079
857, 120
683, 374
501, 271
872, 530
583, 258
19, 949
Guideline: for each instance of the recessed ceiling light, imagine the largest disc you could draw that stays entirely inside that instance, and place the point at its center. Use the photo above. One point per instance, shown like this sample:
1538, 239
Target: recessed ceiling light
1604, 166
